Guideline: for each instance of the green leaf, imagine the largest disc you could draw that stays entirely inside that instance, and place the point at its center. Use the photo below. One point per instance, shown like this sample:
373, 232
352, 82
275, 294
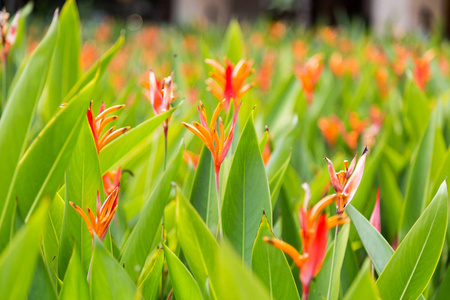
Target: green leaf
271, 266
418, 182
235, 279
108, 280
150, 280
233, 45
126, 146
42, 286
411, 267
39, 176
327, 282
75, 285
199, 246
65, 64
277, 182
18, 260
16, 121
364, 285
138, 245
247, 194
51, 233
376, 246
83, 180
184, 285
443, 290
392, 203
203, 194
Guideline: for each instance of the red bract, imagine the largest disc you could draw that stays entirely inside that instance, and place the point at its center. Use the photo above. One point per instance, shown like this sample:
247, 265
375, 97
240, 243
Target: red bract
227, 81
98, 123
346, 182
316, 255
375, 217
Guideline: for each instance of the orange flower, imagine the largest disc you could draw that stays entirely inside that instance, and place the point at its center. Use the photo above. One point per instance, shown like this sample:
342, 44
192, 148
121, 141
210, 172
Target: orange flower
309, 74
422, 69
265, 71
111, 180
382, 76
299, 49
375, 55
330, 129
100, 223
340, 66
89, 54
98, 123
328, 35
217, 144
190, 157
227, 81
402, 56
346, 182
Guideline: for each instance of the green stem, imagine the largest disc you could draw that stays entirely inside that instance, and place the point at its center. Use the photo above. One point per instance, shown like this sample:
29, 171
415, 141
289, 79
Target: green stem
219, 225
4, 83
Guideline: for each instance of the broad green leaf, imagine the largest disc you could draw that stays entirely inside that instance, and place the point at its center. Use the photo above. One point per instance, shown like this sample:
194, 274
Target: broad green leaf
392, 201
376, 246
235, 279
271, 266
350, 268
327, 282
247, 194
276, 182
39, 176
184, 285
443, 290
83, 180
203, 194
233, 45
108, 279
51, 234
17, 53
150, 280
126, 146
364, 285
411, 267
18, 260
417, 108
199, 246
418, 181
16, 120
42, 286
75, 285
65, 64
138, 245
